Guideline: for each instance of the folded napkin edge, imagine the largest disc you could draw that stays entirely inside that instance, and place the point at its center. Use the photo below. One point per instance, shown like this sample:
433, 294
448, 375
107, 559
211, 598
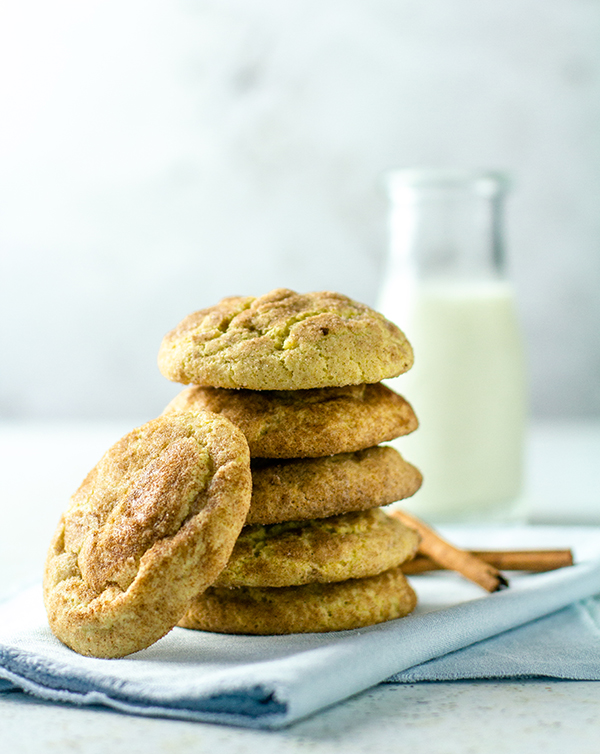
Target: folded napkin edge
268, 713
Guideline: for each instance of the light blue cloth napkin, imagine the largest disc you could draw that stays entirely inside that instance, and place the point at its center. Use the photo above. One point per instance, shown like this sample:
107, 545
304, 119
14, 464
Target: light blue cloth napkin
270, 682
563, 645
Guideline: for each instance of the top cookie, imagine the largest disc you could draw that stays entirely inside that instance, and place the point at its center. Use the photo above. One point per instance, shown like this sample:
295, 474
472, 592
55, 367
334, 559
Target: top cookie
285, 341
152, 525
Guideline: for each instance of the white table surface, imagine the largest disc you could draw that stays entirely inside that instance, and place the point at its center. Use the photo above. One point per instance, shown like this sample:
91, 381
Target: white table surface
41, 465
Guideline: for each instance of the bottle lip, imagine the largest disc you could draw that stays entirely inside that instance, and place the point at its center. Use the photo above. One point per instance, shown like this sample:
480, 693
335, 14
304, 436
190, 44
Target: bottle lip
482, 182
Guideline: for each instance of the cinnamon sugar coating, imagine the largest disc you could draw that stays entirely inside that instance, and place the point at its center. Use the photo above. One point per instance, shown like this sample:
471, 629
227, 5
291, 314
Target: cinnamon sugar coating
302, 609
307, 423
349, 546
291, 490
284, 341
152, 525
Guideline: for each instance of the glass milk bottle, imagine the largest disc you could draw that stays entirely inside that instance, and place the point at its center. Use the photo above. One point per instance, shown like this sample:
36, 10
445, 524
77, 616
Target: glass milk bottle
446, 288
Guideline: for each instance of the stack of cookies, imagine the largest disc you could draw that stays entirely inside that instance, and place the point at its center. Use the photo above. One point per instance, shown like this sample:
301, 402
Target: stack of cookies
300, 376
178, 525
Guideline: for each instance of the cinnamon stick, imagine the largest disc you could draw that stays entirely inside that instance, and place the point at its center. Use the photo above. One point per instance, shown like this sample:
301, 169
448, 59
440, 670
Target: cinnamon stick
536, 561
451, 557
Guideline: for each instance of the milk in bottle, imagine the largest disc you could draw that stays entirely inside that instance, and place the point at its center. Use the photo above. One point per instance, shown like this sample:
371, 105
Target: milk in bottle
446, 287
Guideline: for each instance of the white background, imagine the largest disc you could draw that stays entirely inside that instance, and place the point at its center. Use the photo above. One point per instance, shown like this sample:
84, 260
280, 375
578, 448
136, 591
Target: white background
156, 155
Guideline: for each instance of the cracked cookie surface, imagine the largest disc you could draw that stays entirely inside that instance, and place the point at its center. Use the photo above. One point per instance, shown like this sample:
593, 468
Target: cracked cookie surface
302, 609
295, 489
306, 423
151, 526
284, 341
350, 546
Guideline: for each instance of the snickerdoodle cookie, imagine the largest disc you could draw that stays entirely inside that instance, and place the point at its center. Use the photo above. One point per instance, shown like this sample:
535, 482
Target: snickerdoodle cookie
152, 525
284, 341
290, 490
306, 423
302, 609
350, 546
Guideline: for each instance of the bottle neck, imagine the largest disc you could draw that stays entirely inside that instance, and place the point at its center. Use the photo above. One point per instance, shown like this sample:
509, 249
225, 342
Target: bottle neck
447, 227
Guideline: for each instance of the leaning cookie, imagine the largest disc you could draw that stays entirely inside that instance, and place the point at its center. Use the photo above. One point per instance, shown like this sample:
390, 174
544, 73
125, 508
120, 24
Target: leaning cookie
297, 489
306, 423
152, 525
284, 341
350, 546
302, 609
